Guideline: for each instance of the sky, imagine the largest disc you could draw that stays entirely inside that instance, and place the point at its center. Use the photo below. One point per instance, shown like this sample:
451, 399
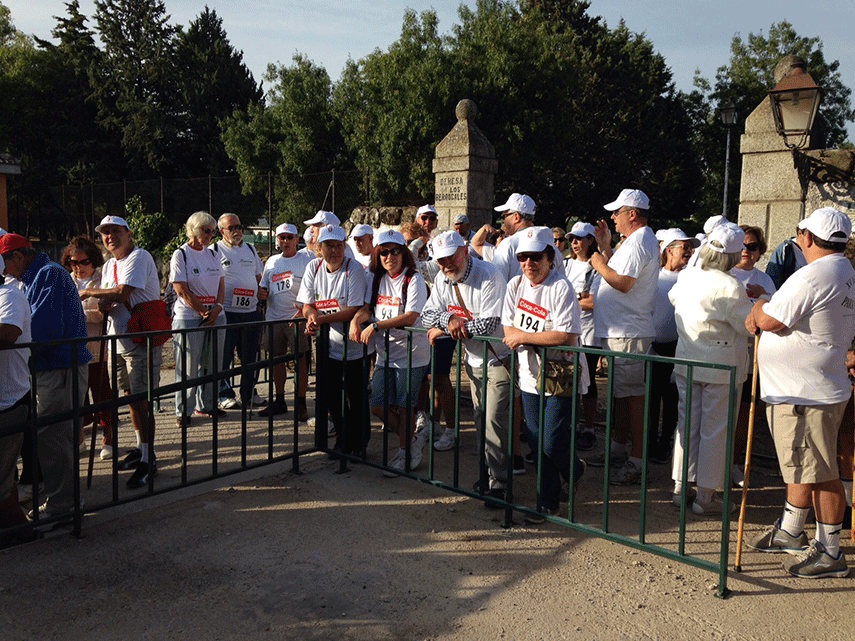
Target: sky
690, 34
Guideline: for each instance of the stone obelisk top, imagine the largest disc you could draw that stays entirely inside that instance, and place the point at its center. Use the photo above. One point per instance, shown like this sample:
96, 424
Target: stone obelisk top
464, 165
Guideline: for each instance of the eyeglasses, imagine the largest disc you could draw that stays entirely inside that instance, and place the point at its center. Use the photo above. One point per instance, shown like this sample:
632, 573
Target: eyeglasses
535, 256
424, 217
560, 239
395, 251
752, 247
688, 246
83, 262
208, 230
286, 237
235, 227
510, 213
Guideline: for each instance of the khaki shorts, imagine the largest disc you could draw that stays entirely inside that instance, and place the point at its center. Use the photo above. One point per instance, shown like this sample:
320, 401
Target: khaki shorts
806, 440
628, 374
279, 339
133, 367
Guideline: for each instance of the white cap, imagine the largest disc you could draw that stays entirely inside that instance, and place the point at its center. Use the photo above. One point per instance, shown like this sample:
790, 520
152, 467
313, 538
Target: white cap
660, 233
828, 224
461, 219
673, 235
518, 202
323, 218
390, 236
534, 239
361, 230
713, 222
729, 235
580, 230
629, 198
307, 235
425, 209
331, 232
701, 236
112, 220
446, 244
286, 228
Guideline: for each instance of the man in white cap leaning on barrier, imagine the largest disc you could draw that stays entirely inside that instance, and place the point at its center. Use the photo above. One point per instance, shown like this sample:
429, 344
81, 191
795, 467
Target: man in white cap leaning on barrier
807, 327
466, 301
623, 319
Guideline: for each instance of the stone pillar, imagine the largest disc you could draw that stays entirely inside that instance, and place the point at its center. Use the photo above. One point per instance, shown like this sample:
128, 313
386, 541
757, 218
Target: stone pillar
464, 165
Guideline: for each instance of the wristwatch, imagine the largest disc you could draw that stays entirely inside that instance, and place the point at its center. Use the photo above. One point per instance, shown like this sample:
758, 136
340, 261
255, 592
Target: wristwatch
374, 325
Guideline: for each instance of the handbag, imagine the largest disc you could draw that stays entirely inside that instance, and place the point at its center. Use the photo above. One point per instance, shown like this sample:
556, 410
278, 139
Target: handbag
559, 379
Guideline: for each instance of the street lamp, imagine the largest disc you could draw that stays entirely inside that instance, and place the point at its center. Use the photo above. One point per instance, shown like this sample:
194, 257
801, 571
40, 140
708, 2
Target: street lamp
729, 116
795, 101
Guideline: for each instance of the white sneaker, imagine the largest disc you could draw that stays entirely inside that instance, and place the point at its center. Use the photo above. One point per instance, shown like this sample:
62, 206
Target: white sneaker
445, 442
228, 403
396, 463
422, 421
81, 448
106, 452
257, 401
416, 452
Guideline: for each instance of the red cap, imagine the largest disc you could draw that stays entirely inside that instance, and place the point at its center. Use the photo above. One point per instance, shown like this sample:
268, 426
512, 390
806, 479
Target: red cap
8, 242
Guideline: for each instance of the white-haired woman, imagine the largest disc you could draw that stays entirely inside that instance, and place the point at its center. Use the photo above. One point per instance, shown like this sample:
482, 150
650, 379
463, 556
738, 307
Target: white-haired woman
710, 307
196, 275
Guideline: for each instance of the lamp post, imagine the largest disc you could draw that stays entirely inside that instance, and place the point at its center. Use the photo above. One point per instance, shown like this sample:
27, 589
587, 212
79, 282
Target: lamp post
729, 116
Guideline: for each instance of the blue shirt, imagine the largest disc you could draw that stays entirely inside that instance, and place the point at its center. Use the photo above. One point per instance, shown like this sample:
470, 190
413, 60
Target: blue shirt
57, 314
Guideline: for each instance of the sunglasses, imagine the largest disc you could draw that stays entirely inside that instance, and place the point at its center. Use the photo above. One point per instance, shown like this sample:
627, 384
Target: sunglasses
235, 228
83, 262
752, 247
535, 256
395, 251
428, 217
208, 230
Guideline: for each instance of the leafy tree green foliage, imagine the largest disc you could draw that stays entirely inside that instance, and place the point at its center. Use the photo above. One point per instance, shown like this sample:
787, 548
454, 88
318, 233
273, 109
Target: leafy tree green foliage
214, 82
152, 231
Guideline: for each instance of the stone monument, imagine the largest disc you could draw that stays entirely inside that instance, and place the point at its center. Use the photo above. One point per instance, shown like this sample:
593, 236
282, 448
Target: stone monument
464, 165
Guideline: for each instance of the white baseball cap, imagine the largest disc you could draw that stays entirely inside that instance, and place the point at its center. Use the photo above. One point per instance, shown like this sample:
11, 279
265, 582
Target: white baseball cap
112, 220
518, 202
361, 230
535, 239
323, 218
629, 198
673, 235
446, 244
713, 222
828, 224
580, 230
331, 232
390, 236
729, 235
461, 219
286, 228
425, 209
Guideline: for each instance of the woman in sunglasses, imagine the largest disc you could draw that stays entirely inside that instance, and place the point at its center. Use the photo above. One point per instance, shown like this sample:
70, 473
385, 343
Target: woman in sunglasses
84, 260
541, 310
395, 300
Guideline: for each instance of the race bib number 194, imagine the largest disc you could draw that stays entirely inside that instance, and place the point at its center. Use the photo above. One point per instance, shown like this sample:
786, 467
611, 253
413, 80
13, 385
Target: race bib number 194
529, 317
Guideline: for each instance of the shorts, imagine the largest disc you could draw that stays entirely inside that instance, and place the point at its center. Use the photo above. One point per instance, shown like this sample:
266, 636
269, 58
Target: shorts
443, 355
279, 338
394, 392
806, 440
133, 367
628, 374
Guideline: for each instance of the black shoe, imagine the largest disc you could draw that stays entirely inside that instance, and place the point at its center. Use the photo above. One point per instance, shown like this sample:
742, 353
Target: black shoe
529, 458
140, 476
131, 459
274, 409
494, 494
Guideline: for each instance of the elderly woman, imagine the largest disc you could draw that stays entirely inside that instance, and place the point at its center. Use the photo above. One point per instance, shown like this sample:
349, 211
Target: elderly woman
541, 310
395, 300
710, 307
196, 275
84, 260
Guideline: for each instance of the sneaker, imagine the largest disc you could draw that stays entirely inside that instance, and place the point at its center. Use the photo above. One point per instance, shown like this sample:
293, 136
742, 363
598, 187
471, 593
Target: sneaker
257, 401
714, 508
416, 453
614, 459
228, 403
46, 512
444, 442
519, 465
676, 498
106, 452
217, 411
629, 474
132, 457
529, 458
81, 447
422, 421
140, 476
274, 409
397, 463
817, 563
586, 441
777, 540
491, 497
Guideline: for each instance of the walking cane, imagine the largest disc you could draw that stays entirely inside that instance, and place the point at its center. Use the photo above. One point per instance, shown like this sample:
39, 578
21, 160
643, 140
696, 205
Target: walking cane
740, 528
95, 414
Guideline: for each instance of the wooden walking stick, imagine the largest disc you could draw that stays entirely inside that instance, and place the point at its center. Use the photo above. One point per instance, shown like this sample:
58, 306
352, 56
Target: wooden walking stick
753, 409
95, 414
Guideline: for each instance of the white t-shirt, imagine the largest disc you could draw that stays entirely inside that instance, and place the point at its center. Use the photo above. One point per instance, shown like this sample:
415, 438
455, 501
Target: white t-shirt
241, 266
138, 270
14, 373
551, 305
484, 294
201, 271
663, 310
804, 365
754, 276
579, 273
629, 315
390, 303
333, 292
282, 277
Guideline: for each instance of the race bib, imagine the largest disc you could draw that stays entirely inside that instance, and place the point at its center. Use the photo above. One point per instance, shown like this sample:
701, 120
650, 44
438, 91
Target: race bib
328, 306
207, 300
530, 317
282, 282
457, 311
387, 307
242, 298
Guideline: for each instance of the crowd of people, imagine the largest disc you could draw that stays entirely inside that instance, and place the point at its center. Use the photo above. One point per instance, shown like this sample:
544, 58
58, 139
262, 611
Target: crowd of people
625, 291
